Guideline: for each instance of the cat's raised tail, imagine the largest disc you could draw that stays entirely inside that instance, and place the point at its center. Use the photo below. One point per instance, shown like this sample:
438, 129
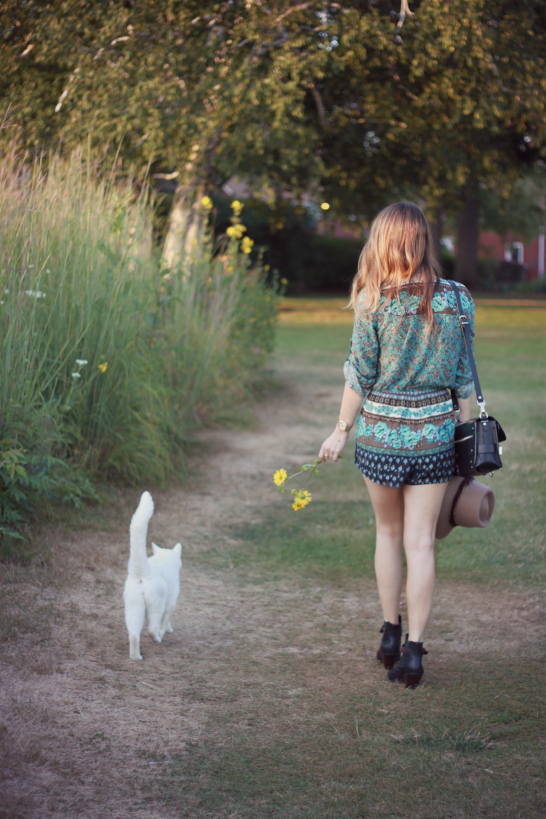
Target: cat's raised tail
139, 566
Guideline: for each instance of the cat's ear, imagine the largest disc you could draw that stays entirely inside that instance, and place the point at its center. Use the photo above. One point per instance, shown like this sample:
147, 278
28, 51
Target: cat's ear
178, 549
155, 548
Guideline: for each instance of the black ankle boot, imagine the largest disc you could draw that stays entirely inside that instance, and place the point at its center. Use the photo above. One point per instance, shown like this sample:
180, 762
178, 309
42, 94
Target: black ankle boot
409, 669
389, 650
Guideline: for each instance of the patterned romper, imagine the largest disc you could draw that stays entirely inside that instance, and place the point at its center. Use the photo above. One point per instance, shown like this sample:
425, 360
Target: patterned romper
406, 424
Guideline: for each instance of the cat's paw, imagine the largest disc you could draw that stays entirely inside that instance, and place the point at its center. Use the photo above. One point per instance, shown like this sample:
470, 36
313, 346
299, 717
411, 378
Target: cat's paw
135, 656
154, 636
170, 629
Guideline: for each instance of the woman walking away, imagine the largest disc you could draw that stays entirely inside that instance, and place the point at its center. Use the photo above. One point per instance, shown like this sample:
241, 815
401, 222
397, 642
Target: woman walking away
407, 352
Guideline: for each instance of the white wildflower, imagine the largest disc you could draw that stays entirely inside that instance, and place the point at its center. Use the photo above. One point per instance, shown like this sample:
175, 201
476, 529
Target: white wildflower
36, 293
76, 375
81, 362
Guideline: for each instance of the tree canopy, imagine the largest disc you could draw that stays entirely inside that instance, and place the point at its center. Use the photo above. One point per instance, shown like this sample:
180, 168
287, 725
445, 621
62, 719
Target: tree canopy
355, 99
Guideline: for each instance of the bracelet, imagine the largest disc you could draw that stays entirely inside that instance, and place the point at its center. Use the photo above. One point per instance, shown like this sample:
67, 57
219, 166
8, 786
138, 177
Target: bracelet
343, 426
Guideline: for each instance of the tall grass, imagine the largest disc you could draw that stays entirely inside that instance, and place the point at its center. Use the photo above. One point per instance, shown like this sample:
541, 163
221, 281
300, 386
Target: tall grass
107, 360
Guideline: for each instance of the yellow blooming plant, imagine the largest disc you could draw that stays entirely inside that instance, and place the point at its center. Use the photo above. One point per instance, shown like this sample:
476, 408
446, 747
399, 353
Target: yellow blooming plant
280, 477
206, 203
236, 231
103, 366
301, 497
246, 244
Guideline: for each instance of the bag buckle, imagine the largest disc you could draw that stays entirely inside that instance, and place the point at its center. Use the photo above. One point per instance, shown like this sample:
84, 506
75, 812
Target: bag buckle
483, 411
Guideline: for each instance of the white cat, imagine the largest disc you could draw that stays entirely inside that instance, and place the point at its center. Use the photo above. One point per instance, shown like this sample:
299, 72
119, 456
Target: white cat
153, 584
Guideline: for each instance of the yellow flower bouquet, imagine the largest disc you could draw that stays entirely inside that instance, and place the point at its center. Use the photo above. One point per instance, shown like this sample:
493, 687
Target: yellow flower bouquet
301, 497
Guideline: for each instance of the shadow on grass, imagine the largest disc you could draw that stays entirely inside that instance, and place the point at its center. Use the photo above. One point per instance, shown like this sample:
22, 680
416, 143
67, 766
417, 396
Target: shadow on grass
335, 541
332, 541
393, 755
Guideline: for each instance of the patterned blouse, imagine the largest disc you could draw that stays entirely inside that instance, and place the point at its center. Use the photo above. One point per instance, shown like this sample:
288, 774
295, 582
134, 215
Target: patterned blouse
405, 376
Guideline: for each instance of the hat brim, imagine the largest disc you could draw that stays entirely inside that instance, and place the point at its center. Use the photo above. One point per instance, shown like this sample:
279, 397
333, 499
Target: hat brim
473, 509
443, 526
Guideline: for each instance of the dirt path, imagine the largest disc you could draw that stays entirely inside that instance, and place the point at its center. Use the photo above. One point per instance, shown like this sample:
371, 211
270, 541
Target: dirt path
89, 733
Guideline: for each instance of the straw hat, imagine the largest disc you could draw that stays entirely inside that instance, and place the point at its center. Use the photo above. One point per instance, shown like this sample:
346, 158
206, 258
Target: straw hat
467, 502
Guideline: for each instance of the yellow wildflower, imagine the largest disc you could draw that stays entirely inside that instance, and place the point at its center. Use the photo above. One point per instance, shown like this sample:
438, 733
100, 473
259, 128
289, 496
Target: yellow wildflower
246, 244
298, 504
236, 207
302, 496
279, 477
206, 202
325, 206
236, 231
103, 366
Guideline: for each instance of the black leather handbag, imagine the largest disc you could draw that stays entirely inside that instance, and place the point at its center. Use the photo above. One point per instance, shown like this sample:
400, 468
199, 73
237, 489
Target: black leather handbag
477, 449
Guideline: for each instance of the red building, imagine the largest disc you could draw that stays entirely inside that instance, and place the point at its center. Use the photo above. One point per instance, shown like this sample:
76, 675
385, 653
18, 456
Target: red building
509, 249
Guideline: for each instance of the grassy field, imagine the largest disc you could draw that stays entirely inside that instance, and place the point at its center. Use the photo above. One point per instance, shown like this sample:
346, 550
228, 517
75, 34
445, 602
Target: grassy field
510, 347
468, 743
267, 702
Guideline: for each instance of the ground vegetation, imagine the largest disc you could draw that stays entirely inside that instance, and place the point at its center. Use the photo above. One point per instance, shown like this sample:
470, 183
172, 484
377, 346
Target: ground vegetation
109, 362
267, 699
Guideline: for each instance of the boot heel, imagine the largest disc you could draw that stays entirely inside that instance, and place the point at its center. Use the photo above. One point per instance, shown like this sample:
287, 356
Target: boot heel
409, 668
389, 660
412, 680
389, 650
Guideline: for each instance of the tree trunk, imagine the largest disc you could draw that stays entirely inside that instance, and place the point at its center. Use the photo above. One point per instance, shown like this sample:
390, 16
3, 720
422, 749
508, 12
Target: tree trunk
466, 268
186, 225
436, 228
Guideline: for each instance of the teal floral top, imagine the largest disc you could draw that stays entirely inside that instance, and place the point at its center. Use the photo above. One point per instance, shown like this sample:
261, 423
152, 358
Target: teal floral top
405, 375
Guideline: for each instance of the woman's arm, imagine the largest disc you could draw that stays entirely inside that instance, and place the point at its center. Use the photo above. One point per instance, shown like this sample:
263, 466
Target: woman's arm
464, 406
360, 371
334, 445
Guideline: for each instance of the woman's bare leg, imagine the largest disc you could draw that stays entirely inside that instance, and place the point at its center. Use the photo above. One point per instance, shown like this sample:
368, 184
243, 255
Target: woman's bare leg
421, 509
388, 506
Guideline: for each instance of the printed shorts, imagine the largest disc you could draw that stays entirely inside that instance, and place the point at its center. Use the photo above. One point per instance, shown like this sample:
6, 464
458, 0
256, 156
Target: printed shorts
395, 470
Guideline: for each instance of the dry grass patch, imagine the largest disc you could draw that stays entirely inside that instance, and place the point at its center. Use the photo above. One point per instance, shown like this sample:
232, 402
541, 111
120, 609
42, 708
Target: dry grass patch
267, 700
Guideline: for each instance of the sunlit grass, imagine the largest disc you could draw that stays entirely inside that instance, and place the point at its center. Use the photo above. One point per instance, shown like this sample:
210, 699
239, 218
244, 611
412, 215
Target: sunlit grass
334, 537
317, 731
109, 362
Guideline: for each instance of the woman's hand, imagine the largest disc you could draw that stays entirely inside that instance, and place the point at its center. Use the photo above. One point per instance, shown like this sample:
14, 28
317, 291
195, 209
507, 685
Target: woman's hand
333, 446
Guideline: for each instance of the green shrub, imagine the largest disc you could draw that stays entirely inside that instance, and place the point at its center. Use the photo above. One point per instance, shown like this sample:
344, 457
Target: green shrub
447, 261
30, 478
286, 235
334, 265
108, 362
536, 286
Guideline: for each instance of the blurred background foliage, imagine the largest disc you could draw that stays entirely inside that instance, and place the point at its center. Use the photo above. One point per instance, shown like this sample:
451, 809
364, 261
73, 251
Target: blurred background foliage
358, 103
286, 239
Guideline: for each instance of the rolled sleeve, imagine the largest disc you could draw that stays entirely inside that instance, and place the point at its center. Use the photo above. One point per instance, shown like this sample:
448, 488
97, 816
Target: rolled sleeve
360, 368
464, 384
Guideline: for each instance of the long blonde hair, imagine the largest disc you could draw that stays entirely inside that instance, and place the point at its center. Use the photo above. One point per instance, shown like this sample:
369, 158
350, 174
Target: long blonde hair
398, 251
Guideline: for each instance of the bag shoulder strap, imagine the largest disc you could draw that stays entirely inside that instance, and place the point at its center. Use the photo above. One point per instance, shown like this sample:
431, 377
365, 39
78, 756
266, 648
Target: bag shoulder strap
467, 333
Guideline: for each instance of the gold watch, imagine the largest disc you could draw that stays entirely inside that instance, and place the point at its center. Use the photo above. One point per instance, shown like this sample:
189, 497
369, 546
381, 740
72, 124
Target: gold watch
343, 426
